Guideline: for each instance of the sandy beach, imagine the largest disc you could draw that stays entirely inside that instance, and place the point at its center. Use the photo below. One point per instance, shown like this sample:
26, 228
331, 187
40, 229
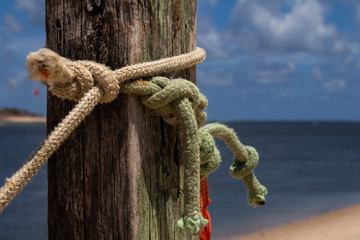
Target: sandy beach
343, 224
23, 119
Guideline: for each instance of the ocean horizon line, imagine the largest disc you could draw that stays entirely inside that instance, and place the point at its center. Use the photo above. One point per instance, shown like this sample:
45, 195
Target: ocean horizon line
284, 121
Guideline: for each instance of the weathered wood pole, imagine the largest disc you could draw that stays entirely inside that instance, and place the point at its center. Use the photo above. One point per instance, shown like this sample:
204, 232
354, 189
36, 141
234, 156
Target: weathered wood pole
117, 176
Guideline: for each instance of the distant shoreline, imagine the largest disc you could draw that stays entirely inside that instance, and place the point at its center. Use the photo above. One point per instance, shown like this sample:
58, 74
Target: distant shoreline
15, 115
22, 119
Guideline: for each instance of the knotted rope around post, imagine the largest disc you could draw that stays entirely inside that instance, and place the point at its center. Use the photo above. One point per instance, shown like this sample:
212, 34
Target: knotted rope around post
72, 80
178, 101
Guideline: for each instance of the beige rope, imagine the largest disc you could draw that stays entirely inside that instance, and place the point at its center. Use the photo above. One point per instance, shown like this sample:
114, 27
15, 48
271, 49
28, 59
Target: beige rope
71, 80
18, 181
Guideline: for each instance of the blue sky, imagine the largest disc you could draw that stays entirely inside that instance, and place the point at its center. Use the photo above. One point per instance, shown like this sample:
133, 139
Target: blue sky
266, 60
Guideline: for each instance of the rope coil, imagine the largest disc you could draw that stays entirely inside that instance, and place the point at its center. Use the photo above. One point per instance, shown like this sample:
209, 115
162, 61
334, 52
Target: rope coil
178, 101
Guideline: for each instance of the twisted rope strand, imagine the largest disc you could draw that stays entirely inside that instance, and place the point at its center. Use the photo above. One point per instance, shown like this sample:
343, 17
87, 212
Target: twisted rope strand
171, 64
229, 137
18, 181
192, 219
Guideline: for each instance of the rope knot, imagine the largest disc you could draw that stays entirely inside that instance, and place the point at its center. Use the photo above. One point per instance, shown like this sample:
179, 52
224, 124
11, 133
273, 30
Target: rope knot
245, 159
209, 154
194, 223
171, 91
70, 80
241, 169
161, 94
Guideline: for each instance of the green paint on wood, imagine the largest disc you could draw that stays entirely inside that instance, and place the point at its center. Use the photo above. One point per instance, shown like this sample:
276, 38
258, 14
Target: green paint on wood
159, 201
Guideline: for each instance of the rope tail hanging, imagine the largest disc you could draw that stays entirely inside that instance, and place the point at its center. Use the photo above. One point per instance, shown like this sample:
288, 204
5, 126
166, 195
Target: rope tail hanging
245, 159
177, 101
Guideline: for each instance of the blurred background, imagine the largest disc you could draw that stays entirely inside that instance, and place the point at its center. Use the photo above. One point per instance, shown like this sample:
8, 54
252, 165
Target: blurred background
283, 73
22, 30
266, 60
280, 59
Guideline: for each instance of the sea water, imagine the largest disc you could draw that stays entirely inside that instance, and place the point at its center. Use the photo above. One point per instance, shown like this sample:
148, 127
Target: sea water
309, 168
26, 216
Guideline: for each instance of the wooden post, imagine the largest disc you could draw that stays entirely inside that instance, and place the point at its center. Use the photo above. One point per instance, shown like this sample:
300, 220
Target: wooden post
117, 176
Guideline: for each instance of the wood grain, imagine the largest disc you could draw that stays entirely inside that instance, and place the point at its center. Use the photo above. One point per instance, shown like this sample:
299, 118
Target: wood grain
117, 176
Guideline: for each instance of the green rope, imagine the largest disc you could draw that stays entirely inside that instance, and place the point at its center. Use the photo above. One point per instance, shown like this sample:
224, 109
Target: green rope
245, 160
181, 100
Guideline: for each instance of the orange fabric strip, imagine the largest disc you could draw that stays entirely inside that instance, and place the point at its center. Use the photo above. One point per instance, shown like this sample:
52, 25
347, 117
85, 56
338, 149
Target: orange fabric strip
46, 75
204, 202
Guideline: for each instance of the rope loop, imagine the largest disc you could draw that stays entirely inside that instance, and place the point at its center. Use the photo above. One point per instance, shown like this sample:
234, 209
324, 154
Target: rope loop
194, 223
241, 169
104, 78
161, 102
209, 154
72, 79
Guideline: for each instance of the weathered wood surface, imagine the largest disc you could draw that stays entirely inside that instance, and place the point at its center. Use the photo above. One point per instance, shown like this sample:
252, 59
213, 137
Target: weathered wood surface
117, 176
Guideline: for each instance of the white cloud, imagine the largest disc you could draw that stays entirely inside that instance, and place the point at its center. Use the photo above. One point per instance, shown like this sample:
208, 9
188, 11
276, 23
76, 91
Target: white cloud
219, 77
317, 74
335, 85
353, 47
272, 73
267, 28
211, 40
212, 2
18, 78
357, 16
22, 46
35, 9
339, 46
286, 45
11, 25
